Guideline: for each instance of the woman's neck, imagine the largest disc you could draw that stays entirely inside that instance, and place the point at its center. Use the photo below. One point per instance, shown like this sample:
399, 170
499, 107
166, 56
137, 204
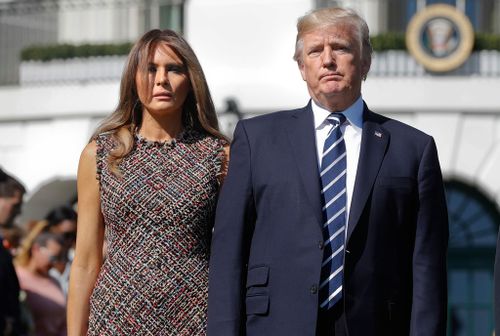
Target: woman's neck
164, 128
31, 267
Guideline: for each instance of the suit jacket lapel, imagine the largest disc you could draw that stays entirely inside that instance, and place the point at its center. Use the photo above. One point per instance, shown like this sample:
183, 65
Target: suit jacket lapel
300, 130
374, 142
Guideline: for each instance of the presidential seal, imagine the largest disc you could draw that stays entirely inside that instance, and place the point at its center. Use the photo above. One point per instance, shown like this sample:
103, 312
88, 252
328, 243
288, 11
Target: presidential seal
440, 38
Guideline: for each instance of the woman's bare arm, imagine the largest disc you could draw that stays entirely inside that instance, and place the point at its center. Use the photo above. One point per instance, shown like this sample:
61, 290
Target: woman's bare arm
89, 242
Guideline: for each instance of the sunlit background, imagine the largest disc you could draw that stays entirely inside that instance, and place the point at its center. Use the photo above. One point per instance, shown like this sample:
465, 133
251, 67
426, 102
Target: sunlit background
61, 61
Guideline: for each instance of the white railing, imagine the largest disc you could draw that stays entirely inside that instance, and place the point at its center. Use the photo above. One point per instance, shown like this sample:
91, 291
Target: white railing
91, 69
393, 63
485, 63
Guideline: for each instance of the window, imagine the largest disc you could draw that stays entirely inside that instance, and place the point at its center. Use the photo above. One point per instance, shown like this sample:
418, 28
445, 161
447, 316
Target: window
483, 14
171, 17
164, 14
399, 14
474, 221
448, 2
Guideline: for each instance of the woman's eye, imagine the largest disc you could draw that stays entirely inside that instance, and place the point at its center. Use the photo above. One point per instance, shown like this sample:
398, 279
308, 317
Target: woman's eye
176, 69
151, 68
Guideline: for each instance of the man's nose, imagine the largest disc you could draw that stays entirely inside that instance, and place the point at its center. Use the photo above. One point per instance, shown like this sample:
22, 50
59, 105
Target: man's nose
328, 57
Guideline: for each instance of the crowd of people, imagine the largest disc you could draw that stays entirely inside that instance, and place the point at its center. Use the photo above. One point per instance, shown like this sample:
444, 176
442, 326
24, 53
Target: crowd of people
35, 263
325, 220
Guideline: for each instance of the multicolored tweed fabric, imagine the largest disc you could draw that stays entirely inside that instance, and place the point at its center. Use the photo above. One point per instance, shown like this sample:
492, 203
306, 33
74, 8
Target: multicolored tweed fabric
158, 218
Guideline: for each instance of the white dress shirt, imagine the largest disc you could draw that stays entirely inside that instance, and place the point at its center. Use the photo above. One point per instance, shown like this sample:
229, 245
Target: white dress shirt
352, 130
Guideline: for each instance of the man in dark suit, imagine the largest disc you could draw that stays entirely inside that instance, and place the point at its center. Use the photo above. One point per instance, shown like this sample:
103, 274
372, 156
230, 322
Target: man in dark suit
11, 194
496, 283
332, 219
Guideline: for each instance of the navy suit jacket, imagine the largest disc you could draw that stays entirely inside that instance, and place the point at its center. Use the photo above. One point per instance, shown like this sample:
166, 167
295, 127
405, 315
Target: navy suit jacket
267, 241
497, 287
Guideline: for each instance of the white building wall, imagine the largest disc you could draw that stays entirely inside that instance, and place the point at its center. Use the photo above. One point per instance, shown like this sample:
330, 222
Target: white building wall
373, 11
109, 22
246, 48
37, 151
44, 129
462, 113
26, 103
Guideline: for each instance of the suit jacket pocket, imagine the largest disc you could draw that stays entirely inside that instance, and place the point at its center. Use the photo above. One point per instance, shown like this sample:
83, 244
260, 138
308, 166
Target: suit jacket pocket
257, 304
257, 276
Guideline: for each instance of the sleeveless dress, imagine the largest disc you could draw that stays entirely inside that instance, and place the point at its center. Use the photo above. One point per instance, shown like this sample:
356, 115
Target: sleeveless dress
158, 219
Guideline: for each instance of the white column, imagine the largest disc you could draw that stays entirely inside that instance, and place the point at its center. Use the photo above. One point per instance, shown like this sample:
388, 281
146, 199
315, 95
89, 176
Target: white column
421, 4
496, 23
461, 5
373, 11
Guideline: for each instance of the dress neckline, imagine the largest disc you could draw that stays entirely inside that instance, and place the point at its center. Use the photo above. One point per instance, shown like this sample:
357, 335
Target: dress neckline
181, 137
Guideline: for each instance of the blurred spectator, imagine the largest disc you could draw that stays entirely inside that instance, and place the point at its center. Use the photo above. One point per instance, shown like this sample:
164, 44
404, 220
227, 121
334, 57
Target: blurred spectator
11, 195
62, 221
44, 298
12, 238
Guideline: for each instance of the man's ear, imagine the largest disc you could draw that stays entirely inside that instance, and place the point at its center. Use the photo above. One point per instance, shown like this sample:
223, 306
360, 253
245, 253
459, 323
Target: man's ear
365, 68
300, 64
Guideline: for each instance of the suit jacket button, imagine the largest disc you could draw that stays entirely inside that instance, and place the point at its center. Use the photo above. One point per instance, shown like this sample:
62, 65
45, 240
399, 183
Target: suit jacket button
314, 289
321, 244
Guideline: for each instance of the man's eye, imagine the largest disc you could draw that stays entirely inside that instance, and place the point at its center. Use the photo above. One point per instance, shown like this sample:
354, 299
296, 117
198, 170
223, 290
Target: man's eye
314, 52
341, 48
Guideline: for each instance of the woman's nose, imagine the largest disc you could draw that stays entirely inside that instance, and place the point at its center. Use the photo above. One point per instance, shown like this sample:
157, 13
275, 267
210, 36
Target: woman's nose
161, 77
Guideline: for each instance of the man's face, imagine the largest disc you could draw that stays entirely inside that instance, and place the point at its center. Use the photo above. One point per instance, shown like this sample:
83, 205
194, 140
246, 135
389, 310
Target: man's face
10, 207
332, 66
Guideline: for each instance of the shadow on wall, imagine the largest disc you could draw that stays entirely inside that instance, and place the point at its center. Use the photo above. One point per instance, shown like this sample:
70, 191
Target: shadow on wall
48, 195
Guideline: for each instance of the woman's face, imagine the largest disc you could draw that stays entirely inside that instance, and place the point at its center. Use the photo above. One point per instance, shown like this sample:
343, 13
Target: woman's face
44, 257
164, 85
67, 229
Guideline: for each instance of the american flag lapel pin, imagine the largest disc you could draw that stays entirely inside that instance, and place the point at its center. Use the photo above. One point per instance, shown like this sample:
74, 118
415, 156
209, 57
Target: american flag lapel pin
378, 134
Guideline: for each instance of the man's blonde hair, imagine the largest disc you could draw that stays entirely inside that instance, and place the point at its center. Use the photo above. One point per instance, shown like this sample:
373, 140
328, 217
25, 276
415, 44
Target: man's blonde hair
329, 16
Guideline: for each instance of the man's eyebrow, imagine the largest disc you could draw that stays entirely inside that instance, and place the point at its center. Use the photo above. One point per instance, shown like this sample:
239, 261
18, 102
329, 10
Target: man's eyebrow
314, 43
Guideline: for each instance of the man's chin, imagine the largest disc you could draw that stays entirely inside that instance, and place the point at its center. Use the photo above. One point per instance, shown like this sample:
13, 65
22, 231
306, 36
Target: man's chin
333, 92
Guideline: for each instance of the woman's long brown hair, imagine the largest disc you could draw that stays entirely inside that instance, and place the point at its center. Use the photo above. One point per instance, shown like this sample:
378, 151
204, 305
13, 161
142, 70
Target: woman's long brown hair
198, 109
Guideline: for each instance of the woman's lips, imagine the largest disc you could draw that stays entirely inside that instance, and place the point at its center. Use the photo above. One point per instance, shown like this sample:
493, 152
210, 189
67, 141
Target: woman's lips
163, 95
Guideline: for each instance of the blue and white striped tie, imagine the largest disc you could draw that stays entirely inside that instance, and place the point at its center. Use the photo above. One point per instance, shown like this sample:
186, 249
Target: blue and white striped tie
333, 180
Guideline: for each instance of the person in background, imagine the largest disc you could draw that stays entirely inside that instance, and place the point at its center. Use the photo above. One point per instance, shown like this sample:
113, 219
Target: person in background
62, 221
44, 299
332, 219
149, 178
12, 237
11, 197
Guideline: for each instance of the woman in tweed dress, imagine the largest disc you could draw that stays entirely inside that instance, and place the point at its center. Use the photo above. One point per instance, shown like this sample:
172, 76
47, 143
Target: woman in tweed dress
147, 185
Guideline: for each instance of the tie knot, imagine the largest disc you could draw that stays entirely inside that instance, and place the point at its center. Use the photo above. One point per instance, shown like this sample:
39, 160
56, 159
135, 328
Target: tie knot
336, 118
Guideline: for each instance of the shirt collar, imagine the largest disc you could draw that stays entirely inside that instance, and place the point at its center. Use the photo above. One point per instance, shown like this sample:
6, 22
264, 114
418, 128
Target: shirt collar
353, 113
